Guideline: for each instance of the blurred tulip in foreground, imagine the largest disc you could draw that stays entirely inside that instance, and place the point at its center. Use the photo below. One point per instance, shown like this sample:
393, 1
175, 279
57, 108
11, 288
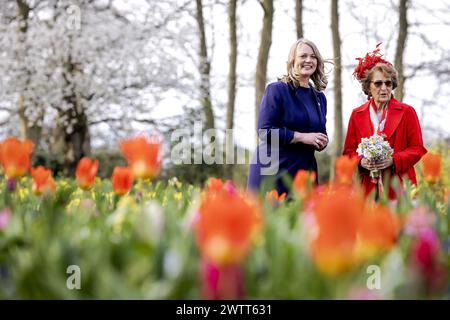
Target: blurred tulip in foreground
222, 282
345, 169
227, 223
303, 182
5, 217
274, 197
377, 231
336, 214
420, 218
425, 256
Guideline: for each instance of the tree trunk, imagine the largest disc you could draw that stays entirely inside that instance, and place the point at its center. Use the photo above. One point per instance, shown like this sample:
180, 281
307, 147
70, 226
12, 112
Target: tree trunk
23, 10
338, 131
401, 44
299, 18
74, 139
205, 67
229, 147
232, 67
27, 129
263, 54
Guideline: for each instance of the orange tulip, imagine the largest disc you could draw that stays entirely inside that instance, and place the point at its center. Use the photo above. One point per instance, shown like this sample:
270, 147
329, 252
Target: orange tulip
345, 169
227, 223
302, 180
378, 230
143, 156
122, 180
15, 156
215, 184
431, 163
336, 214
86, 172
42, 180
272, 196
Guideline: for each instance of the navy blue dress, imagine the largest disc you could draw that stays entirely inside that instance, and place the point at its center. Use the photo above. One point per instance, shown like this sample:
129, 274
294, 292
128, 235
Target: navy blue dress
283, 110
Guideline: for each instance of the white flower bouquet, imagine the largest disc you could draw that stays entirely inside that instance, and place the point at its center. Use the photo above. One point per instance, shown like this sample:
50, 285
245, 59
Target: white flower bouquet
375, 149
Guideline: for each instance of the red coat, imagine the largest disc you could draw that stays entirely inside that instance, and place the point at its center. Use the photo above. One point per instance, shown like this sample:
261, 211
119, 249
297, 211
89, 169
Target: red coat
403, 132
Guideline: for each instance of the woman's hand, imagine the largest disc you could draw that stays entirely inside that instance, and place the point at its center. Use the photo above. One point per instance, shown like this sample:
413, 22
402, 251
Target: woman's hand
384, 164
376, 165
316, 139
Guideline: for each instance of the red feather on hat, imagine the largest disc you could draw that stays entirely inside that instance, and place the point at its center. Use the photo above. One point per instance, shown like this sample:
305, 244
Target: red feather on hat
368, 62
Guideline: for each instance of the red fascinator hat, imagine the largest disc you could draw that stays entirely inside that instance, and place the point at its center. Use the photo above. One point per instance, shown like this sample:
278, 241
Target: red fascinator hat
368, 62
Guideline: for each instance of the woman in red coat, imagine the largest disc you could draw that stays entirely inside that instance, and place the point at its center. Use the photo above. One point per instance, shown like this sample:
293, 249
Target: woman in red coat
384, 115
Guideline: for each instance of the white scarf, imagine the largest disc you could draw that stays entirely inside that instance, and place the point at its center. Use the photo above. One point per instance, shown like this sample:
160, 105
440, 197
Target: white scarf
377, 121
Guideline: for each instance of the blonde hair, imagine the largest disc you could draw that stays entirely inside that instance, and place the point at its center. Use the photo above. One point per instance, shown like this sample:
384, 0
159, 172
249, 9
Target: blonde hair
319, 78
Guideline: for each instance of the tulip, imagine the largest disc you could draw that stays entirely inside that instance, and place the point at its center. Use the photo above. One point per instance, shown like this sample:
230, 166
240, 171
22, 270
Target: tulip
336, 214
431, 163
345, 169
425, 250
5, 217
425, 256
143, 156
122, 180
11, 184
303, 181
419, 219
15, 156
377, 231
226, 226
274, 197
227, 223
222, 282
86, 172
215, 184
42, 181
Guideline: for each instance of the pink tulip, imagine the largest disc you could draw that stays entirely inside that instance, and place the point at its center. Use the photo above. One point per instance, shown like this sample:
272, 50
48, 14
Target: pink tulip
222, 282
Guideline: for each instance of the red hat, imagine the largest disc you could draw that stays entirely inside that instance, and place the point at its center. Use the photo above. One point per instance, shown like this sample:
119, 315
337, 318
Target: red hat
368, 62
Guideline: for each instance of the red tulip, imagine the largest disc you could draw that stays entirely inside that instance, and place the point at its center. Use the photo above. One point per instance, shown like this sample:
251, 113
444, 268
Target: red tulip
42, 180
345, 169
431, 163
122, 180
143, 156
15, 156
86, 172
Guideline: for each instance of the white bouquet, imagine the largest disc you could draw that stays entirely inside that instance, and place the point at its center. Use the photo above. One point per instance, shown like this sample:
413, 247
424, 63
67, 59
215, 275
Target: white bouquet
375, 149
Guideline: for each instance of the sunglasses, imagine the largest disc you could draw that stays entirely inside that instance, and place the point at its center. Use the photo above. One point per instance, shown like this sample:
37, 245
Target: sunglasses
379, 83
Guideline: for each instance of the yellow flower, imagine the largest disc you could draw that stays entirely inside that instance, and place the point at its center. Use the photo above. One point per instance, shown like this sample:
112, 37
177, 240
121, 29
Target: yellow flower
126, 201
73, 204
178, 196
23, 193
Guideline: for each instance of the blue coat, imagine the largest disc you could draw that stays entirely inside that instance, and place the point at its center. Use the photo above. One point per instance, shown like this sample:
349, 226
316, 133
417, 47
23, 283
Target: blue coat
283, 110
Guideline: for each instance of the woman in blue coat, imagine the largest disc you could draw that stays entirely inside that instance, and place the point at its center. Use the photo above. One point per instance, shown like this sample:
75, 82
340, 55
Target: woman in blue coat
291, 120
